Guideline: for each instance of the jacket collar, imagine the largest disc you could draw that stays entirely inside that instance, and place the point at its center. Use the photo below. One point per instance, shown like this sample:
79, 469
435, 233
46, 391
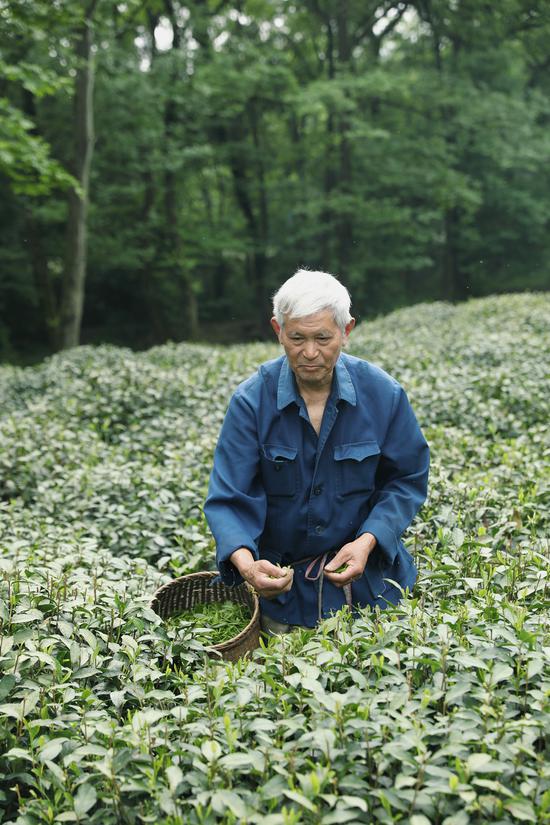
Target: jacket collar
342, 387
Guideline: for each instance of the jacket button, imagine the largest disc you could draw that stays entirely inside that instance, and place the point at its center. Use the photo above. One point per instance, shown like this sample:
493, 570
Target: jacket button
317, 490
319, 529
277, 468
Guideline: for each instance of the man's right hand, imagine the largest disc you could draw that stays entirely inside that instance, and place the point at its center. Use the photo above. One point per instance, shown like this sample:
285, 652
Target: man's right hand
266, 578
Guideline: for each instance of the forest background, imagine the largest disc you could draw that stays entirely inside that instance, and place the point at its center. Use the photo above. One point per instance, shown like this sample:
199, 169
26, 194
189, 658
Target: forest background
164, 166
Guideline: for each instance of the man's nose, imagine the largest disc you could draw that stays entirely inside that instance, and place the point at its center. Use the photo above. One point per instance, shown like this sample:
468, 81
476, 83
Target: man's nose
310, 350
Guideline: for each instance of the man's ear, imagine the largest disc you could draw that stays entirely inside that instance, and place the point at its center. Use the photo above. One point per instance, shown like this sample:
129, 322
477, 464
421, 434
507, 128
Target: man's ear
276, 327
348, 328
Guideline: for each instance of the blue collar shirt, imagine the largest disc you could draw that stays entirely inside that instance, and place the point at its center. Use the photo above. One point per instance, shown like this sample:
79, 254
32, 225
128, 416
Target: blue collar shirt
286, 493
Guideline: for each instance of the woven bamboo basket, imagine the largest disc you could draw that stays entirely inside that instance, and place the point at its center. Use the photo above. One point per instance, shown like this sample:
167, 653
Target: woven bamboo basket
187, 592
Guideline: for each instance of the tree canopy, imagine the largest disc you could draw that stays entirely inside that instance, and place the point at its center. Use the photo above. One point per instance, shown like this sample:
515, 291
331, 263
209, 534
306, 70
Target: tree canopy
403, 146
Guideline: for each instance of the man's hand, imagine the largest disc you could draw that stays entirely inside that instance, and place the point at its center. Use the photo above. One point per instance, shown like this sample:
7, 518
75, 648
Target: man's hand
354, 555
267, 579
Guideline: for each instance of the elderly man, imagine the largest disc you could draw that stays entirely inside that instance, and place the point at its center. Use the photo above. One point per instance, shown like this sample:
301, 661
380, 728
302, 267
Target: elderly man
319, 468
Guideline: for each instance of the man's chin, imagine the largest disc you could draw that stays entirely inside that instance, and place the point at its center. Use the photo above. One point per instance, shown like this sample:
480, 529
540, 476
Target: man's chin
314, 377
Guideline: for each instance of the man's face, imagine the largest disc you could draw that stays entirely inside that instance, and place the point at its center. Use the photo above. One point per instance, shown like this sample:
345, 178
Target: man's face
312, 345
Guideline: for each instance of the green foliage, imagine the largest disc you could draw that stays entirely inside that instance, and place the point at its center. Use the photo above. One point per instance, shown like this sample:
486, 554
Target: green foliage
433, 712
26, 72
35, 79
25, 158
404, 147
214, 623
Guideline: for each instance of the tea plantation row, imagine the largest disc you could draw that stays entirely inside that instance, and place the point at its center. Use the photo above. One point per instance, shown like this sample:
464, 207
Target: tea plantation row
436, 712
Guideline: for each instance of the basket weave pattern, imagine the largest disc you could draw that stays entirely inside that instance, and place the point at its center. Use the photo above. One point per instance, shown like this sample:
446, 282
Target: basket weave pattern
187, 592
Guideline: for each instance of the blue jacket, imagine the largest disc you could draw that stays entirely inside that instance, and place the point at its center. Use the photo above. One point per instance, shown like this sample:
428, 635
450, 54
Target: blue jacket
286, 493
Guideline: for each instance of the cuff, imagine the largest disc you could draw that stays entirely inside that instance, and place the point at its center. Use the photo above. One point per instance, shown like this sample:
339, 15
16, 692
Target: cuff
385, 537
228, 572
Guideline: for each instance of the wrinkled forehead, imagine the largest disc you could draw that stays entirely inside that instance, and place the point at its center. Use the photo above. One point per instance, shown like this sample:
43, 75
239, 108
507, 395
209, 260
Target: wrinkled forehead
317, 322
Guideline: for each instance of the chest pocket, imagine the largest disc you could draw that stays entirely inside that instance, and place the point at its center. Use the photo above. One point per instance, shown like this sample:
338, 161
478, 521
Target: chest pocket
278, 468
356, 466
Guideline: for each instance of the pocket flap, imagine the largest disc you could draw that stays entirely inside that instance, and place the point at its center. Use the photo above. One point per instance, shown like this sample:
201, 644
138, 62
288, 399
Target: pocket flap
357, 451
276, 452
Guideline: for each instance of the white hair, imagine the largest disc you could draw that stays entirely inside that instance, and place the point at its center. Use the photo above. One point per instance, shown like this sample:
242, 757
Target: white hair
309, 292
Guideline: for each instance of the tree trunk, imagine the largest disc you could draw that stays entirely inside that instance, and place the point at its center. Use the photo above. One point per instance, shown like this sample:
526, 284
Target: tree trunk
451, 278
261, 242
172, 242
149, 291
344, 224
42, 278
35, 233
256, 259
173, 258
74, 276
330, 177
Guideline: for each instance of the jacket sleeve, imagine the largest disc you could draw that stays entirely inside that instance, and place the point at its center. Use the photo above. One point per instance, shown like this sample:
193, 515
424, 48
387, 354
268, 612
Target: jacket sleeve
401, 478
235, 506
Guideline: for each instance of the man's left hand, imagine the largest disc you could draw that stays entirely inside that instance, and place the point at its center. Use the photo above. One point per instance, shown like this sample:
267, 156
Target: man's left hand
354, 555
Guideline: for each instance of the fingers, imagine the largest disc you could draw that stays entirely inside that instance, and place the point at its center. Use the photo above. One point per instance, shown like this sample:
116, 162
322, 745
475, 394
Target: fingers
278, 585
350, 574
342, 568
268, 580
340, 559
269, 593
278, 578
350, 561
350, 567
270, 569
272, 594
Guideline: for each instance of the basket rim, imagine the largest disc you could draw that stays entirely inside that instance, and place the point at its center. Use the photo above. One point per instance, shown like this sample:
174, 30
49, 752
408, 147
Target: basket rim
222, 647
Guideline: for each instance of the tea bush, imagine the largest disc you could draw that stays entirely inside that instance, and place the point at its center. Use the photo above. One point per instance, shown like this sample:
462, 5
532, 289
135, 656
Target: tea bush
433, 712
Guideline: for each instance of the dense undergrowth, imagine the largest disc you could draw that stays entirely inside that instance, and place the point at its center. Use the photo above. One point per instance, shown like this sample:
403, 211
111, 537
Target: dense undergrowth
436, 712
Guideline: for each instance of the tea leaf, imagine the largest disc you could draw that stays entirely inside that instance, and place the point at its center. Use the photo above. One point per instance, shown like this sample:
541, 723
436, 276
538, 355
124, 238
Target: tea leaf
85, 798
228, 800
432, 709
301, 800
7, 683
211, 750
